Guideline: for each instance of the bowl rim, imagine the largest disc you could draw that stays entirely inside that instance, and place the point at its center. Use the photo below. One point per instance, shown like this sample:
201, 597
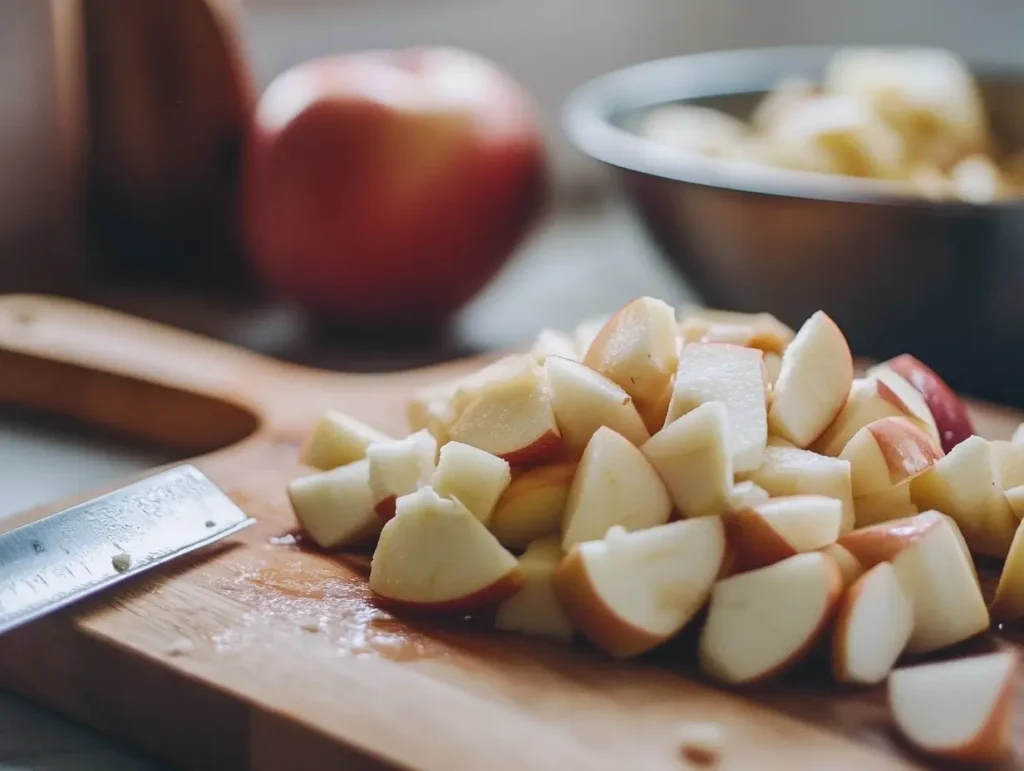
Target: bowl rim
587, 111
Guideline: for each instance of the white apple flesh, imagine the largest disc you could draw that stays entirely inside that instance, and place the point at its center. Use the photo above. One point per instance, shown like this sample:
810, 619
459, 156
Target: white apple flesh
475, 477
335, 507
337, 440
887, 452
779, 528
400, 467
535, 610
533, 505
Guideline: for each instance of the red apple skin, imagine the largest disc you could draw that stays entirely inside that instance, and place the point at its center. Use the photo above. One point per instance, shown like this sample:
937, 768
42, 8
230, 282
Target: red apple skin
951, 418
385, 508
387, 188
488, 597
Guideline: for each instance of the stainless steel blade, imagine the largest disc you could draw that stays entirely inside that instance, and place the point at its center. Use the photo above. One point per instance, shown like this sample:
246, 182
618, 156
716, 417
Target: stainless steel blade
67, 556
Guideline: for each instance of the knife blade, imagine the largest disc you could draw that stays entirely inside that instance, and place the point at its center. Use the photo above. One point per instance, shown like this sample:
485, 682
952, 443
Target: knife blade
60, 559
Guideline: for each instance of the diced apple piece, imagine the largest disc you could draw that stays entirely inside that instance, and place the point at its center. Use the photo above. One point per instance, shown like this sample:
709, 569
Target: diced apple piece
870, 399
431, 409
960, 709
614, 485
873, 625
929, 559
754, 330
335, 507
1008, 602
884, 506
435, 556
507, 369
398, 468
887, 452
1018, 436
692, 456
550, 342
509, 414
535, 609
950, 414
1009, 460
734, 376
637, 350
772, 368
777, 529
584, 401
533, 505
849, 567
814, 381
897, 390
475, 477
761, 623
747, 494
337, 440
630, 592
791, 471
966, 486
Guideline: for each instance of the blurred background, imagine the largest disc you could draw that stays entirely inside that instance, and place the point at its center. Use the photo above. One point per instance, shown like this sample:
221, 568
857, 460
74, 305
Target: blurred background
123, 131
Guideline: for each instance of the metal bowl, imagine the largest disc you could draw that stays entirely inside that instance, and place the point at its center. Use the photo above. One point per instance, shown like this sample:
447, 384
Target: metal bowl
942, 280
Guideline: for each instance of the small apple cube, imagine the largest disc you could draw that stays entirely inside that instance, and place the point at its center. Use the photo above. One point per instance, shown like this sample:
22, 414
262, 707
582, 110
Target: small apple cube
884, 505
966, 485
1009, 460
631, 592
849, 566
779, 528
693, 457
431, 409
772, 368
1008, 603
897, 390
873, 625
961, 709
747, 494
435, 556
753, 330
550, 342
1015, 499
763, 622
817, 370
584, 401
734, 376
614, 485
535, 609
475, 477
533, 505
792, 471
1018, 436
398, 468
338, 440
509, 414
929, 558
335, 507
888, 452
950, 414
637, 349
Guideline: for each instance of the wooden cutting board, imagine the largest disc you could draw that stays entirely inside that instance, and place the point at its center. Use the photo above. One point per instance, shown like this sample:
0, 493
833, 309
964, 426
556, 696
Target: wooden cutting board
259, 655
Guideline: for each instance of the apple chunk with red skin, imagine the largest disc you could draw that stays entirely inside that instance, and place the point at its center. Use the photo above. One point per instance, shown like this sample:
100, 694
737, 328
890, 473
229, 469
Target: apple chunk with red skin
734, 376
614, 485
1008, 602
950, 414
637, 350
386, 188
584, 400
435, 556
779, 528
961, 709
510, 415
535, 609
336, 507
763, 622
929, 558
631, 592
398, 468
337, 440
873, 624
813, 383
888, 452
533, 505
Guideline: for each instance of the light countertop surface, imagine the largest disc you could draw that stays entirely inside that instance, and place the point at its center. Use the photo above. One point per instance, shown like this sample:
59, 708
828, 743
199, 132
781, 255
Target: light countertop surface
577, 265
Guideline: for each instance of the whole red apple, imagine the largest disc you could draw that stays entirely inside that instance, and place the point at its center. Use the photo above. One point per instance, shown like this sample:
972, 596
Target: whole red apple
388, 187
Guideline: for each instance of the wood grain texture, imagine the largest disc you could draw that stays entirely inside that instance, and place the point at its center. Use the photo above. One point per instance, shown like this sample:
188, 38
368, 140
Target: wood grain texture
211, 663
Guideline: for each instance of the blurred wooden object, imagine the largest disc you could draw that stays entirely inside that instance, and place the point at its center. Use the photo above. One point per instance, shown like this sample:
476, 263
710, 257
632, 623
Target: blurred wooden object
168, 97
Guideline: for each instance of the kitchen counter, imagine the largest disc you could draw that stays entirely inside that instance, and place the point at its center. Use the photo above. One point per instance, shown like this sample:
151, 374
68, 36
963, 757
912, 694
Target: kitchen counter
582, 261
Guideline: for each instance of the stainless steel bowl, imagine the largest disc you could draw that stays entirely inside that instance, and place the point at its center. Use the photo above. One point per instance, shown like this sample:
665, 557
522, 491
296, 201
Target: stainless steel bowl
941, 280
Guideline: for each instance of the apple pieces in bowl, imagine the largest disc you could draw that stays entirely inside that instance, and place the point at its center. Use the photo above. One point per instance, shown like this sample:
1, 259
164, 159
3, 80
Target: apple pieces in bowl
656, 472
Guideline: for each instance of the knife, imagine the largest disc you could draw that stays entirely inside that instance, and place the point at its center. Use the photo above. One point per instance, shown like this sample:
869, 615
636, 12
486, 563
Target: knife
65, 557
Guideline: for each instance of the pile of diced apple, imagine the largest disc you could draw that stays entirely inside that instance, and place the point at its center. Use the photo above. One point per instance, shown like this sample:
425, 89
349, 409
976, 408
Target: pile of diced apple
647, 473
